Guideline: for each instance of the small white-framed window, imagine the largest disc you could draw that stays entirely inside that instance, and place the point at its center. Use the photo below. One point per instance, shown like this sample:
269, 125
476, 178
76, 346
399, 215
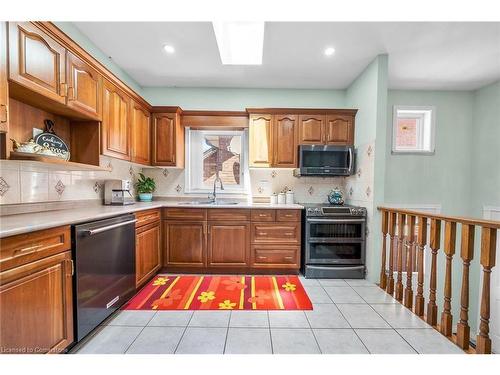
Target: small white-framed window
209, 152
413, 129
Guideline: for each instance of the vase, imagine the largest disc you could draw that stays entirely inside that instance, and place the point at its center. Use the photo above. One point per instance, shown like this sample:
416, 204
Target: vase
146, 197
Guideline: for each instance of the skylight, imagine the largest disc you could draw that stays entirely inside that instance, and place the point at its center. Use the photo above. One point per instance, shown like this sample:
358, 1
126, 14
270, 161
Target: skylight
240, 43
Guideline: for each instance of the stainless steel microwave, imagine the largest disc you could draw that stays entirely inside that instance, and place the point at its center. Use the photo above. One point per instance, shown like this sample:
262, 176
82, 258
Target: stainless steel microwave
321, 160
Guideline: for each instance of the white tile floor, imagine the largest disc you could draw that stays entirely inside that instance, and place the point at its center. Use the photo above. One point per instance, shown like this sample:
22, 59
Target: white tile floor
349, 316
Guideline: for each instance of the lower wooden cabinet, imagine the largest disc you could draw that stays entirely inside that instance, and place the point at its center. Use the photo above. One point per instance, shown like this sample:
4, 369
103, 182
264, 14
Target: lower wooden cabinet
228, 244
147, 252
36, 306
231, 240
185, 244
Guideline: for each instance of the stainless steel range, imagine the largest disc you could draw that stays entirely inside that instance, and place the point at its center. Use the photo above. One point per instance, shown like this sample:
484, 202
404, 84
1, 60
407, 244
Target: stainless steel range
334, 241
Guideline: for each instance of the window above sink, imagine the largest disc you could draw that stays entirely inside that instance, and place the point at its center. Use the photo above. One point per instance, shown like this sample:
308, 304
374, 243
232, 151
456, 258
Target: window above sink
212, 151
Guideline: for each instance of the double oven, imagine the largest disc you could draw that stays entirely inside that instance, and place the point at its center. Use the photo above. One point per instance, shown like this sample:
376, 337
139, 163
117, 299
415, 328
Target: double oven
334, 241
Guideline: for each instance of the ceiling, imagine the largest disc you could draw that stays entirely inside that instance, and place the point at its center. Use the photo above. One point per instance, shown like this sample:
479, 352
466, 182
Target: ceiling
433, 56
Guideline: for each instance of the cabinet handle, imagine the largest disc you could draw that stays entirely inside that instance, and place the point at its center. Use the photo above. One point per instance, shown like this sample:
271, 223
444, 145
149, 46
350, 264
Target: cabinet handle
4, 113
288, 234
262, 233
263, 215
71, 93
288, 257
261, 257
72, 266
25, 249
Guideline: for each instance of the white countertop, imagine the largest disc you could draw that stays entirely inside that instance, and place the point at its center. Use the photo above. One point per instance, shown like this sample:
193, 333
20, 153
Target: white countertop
29, 222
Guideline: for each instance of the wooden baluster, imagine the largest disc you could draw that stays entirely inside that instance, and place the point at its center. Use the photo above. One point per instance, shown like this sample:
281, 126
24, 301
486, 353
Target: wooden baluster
435, 244
466, 253
392, 230
421, 240
383, 269
450, 236
488, 247
408, 301
399, 282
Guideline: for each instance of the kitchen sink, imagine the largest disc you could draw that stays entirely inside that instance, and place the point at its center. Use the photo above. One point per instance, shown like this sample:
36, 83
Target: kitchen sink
217, 203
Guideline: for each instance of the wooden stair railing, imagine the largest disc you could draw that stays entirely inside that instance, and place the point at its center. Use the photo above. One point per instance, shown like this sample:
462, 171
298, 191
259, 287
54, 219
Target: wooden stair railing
407, 232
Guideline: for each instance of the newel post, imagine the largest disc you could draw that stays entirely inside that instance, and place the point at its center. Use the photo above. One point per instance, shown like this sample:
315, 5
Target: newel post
466, 253
488, 246
383, 275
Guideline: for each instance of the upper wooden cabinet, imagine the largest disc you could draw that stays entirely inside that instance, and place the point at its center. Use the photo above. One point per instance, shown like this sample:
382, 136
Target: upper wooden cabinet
115, 131
4, 88
168, 140
260, 140
273, 140
140, 120
339, 130
285, 141
36, 61
311, 129
84, 87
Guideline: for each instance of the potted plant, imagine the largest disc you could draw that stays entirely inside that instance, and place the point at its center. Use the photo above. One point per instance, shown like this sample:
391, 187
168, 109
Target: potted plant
145, 187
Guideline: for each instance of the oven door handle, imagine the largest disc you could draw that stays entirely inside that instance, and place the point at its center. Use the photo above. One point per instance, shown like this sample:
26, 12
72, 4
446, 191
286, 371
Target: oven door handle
335, 221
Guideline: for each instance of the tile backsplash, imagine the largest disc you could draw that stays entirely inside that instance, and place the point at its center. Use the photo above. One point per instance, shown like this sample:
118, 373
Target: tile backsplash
29, 183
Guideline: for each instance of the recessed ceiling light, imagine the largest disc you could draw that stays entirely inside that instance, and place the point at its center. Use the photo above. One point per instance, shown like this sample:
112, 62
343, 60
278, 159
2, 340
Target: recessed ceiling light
168, 48
329, 51
240, 43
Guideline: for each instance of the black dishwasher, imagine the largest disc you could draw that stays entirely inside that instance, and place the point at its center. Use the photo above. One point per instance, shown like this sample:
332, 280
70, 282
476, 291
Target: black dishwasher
104, 254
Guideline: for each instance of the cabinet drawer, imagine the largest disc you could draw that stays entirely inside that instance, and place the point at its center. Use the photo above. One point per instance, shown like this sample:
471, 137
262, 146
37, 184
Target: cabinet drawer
185, 214
276, 233
263, 215
288, 215
275, 256
147, 217
230, 214
24, 248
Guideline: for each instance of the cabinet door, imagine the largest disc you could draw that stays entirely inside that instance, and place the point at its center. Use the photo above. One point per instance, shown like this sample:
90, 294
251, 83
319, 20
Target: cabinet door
228, 245
140, 133
84, 87
164, 139
147, 252
36, 61
260, 141
185, 244
36, 306
285, 141
115, 132
4, 88
339, 130
311, 129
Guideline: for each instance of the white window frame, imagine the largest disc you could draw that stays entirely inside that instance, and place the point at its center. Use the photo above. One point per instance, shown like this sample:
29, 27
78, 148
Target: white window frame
426, 117
189, 174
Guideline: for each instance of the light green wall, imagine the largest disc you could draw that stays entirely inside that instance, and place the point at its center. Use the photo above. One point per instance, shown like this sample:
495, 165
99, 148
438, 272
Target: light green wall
235, 99
486, 148
368, 93
90, 47
443, 178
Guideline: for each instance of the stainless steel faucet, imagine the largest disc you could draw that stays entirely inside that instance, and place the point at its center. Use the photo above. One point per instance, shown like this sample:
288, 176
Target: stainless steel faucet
217, 179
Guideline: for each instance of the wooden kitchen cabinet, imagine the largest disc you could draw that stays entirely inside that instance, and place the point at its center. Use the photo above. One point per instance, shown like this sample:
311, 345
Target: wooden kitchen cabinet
147, 252
84, 87
260, 140
228, 244
285, 141
168, 140
311, 129
115, 130
339, 130
140, 120
185, 244
36, 306
4, 88
36, 61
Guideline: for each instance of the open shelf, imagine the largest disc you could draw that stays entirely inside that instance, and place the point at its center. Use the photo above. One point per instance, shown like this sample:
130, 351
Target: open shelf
54, 163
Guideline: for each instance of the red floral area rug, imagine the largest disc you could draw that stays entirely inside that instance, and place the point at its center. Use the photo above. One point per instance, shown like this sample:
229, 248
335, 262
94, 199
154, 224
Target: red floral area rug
189, 292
